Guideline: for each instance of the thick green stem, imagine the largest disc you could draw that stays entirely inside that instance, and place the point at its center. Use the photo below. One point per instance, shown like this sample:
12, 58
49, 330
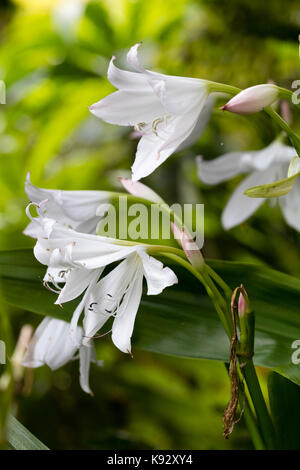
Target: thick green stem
211, 289
262, 413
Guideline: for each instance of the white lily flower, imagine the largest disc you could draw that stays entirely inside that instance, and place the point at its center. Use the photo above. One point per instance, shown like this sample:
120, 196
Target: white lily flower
119, 294
81, 259
262, 166
164, 109
76, 209
51, 344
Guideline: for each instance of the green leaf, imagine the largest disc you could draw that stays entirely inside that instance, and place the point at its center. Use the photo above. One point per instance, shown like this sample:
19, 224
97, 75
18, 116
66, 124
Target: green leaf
20, 438
284, 402
182, 321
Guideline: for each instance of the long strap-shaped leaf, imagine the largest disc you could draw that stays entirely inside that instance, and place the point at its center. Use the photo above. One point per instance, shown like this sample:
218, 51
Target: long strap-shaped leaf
19, 438
181, 321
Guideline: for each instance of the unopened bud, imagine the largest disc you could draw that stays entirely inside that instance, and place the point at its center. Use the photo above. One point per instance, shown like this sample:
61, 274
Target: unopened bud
243, 303
253, 99
189, 246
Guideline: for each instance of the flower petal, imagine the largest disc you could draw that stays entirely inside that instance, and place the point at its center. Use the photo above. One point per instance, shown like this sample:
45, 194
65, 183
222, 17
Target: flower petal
51, 344
86, 354
157, 276
124, 80
290, 206
154, 149
124, 322
77, 281
232, 164
240, 207
128, 108
107, 295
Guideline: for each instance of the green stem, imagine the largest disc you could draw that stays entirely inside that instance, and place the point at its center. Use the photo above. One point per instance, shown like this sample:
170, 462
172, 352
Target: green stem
212, 291
264, 419
231, 90
227, 290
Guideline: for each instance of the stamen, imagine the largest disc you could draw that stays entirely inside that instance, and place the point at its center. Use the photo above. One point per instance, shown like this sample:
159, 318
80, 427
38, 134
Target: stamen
38, 210
155, 124
139, 126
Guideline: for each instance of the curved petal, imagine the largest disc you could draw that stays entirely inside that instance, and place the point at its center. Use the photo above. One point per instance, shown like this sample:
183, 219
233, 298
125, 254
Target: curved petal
51, 344
86, 355
222, 168
157, 276
232, 164
240, 207
77, 281
290, 206
124, 322
124, 80
153, 149
106, 297
68, 207
128, 108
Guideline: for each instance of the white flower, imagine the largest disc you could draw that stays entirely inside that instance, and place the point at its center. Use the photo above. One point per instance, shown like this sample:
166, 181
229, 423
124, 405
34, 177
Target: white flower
76, 209
264, 166
119, 294
80, 260
51, 344
164, 109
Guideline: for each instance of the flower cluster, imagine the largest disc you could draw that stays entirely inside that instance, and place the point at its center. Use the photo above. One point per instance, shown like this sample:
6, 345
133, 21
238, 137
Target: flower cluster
75, 256
168, 114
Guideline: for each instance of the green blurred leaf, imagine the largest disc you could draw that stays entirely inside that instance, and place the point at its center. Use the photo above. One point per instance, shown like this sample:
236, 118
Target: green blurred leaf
20, 438
284, 402
181, 321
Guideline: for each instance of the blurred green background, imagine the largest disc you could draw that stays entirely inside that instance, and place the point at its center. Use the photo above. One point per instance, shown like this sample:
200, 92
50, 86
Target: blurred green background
53, 59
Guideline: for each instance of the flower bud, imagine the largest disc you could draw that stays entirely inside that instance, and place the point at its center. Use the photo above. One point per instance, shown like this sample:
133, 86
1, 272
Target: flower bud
190, 248
243, 303
253, 99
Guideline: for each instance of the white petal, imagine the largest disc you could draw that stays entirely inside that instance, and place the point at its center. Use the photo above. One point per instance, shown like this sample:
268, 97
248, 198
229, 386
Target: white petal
107, 295
240, 207
77, 281
157, 276
79, 309
51, 344
85, 357
232, 164
200, 125
66, 247
140, 190
124, 80
128, 108
132, 58
124, 322
222, 168
69, 207
290, 206
153, 149
177, 94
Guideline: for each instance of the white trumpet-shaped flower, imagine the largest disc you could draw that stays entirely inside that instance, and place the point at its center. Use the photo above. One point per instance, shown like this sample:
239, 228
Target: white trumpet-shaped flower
52, 345
118, 295
80, 260
76, 209
262, 166
165, 110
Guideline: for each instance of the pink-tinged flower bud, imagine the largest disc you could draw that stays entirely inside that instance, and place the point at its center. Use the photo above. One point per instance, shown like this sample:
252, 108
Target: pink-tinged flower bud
253, 99
243, 304
190, 248
140, 190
